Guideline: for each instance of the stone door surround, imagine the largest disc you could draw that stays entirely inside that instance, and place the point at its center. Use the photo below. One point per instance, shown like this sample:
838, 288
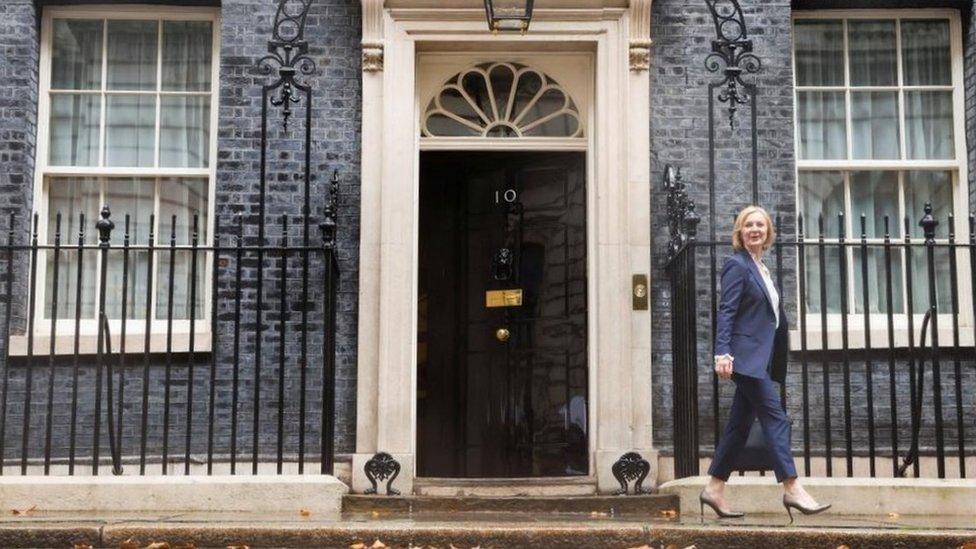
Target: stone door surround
395, 33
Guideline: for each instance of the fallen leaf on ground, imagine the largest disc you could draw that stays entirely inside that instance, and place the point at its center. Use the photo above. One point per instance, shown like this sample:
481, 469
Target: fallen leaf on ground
238, 547
21, 512
82, 546
305, 513
184, 545
157, 545
667, 513
375, 514
967, 546
358, 545
843, 547
378, 545
129, 544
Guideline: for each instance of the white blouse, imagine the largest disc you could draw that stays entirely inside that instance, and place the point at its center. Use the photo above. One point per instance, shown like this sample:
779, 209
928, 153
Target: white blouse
770, 287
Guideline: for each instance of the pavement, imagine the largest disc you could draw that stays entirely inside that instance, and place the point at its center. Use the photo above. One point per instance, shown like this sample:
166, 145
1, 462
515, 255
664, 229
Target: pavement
446, 529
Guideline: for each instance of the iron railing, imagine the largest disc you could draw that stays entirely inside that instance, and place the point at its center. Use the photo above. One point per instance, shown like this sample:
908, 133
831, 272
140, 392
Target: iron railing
883, 348
199, 389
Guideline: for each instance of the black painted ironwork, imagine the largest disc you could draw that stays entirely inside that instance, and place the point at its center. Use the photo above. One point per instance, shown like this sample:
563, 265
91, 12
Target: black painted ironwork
288, 55
732, 54
682, 218
509, 15
382, 467
166, 381
631, 467
831, 274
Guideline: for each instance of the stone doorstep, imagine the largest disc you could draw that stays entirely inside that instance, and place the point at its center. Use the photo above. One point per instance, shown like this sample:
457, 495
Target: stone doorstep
849, 496
653, 505
615, 535
320, 494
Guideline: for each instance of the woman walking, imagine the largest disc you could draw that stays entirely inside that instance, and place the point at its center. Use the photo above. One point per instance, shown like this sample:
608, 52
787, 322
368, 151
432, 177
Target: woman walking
751, 346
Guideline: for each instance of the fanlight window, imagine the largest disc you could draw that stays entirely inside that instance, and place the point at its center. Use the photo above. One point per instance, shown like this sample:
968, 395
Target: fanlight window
501, 100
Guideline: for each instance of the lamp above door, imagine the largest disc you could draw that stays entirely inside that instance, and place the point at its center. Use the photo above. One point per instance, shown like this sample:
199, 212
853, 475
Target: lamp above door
509, 15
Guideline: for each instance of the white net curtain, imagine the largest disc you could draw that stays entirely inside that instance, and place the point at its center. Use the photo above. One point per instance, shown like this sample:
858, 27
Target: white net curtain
156, 96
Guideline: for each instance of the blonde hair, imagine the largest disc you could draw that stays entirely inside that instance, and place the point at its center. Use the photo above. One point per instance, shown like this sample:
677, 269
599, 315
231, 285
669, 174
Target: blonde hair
740, 221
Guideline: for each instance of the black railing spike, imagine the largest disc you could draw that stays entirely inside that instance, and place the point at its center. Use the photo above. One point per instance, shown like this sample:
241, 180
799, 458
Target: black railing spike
928, 223
887, 232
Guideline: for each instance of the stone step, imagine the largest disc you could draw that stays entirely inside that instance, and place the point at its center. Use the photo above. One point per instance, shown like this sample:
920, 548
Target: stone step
647, 505
849, 496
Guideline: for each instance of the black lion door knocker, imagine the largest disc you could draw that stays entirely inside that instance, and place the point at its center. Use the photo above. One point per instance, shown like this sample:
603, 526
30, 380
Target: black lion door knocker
502, 264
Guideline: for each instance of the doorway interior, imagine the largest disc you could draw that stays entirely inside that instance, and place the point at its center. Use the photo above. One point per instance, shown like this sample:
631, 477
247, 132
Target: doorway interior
502, 382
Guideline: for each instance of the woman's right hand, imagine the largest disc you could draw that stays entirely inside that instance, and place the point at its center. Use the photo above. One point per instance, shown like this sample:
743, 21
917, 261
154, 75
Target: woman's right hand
723, 368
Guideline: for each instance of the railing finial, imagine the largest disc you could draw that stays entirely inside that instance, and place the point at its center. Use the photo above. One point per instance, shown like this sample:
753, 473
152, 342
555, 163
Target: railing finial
105, 226
928, 224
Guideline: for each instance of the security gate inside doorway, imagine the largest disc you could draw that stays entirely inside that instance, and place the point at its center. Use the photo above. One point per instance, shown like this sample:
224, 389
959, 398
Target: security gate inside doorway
501, 332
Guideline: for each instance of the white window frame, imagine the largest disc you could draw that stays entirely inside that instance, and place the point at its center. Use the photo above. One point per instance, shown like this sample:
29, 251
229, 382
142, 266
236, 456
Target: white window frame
959, 177
65, 328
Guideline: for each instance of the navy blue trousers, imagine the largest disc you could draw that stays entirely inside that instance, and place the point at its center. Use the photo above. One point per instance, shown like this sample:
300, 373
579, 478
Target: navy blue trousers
755, 397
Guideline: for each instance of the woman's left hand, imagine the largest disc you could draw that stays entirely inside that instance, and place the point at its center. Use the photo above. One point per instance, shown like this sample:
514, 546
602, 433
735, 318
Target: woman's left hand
723, 367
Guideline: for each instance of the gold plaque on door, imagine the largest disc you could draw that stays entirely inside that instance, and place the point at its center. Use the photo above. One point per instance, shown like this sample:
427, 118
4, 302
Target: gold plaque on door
503, 298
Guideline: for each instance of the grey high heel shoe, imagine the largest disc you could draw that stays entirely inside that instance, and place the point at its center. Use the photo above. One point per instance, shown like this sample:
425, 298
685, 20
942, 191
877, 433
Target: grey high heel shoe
704, 500
791, 503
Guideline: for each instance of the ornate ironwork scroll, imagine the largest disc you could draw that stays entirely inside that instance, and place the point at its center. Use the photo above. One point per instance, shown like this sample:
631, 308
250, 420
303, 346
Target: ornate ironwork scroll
631, 467
288, 54
682, 218
732, 54
381, 467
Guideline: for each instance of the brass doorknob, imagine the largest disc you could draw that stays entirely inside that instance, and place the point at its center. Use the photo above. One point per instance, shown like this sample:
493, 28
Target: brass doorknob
502, 334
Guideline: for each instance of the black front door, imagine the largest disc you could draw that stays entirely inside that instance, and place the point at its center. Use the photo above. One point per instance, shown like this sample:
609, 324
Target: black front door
502, 352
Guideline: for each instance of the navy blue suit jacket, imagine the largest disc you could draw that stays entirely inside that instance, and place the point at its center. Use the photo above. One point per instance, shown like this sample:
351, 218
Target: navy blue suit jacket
746, 324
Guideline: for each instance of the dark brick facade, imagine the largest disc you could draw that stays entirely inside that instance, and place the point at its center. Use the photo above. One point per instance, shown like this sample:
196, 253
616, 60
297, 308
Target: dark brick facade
682, 31
333, 32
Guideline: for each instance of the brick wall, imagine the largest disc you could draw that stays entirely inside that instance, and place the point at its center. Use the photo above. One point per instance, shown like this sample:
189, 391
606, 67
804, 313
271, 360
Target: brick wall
679, 136
333, 32
682, 32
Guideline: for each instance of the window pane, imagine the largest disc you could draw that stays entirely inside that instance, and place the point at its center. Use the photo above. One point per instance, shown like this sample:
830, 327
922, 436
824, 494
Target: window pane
928, 125
925, 52
920, 280
74, 130
132, 55
875, 195
184, 132
130, 127
181, 198
877, 280
874, 119
872, 51
932, 187
825, 276
76, 57
821, 193
187, 51
132, 196
72, 197
819, 53
822, 132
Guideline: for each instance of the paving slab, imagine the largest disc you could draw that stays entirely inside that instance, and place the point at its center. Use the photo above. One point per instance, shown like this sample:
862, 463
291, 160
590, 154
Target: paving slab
479, 529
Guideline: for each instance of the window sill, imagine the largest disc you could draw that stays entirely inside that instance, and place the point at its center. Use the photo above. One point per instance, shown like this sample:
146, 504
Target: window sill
879, 338
88, 344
